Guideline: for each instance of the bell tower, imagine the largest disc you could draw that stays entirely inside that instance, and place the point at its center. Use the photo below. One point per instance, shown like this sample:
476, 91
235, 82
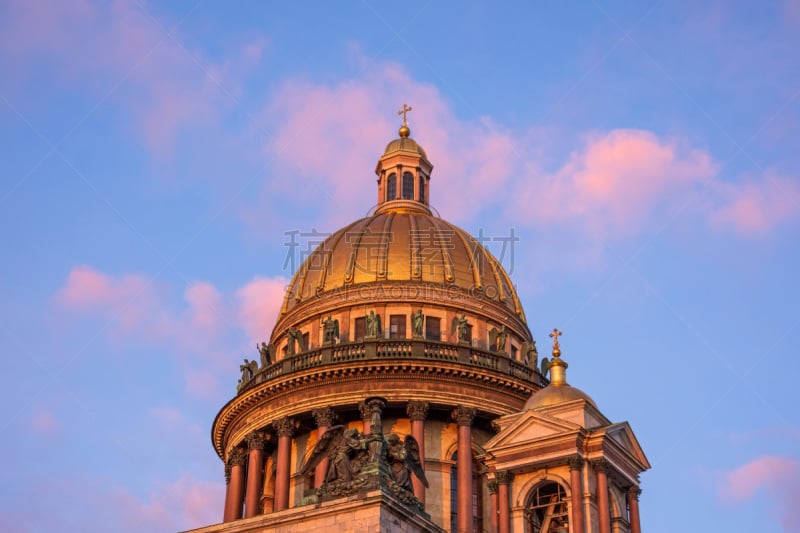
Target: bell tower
561, 466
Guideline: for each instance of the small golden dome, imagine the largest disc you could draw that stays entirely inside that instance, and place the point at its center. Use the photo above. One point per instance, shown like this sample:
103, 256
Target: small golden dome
554, 395
405, 144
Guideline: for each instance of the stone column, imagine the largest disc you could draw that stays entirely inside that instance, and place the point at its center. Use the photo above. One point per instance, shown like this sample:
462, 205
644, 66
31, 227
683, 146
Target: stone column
324, 418
464, 417
417, 412
285, 429
492, 486
503, 478
601, 469
633, 506
255, 470
235, 493
576, 486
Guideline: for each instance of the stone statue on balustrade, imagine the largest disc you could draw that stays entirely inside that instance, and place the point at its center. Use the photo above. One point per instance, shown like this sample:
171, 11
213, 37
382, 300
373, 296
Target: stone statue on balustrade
460, 326
497, 339
330, 330
373, 324
248, 370
265, 353
417, 322
293, 339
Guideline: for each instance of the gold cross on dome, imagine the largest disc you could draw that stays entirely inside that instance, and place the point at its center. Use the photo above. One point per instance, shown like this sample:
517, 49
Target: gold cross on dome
406, 109
555, 335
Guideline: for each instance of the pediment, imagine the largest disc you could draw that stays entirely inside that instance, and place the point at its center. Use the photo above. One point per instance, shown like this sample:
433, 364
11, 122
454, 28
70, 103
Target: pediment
622, 435
531, 426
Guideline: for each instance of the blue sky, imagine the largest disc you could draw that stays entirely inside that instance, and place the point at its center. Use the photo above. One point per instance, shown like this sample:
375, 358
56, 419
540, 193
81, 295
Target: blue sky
156, 154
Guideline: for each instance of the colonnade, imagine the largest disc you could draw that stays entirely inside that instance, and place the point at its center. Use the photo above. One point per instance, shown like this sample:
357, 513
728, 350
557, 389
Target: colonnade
499, 491
244, 470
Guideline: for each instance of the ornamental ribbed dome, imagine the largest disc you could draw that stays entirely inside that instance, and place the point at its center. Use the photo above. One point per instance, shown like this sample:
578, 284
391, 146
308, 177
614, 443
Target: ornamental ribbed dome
402, 244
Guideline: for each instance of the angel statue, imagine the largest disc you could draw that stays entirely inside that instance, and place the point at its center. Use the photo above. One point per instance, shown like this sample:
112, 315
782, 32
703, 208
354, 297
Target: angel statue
461, 327
545, 369
266, 356
345, 450
403, 456
293, 338
330, 330
373, 324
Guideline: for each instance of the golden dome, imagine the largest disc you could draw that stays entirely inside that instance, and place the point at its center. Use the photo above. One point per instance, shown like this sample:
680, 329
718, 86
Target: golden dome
403, 243
554, 395
405, 144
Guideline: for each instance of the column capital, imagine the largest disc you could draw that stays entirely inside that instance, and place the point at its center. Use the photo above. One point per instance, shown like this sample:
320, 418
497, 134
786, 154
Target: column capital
464, 415
634, 492
237, 457
417, 410
492, 486
284, 427
503, 477
601, 466
324, 416
575, 462
256, 441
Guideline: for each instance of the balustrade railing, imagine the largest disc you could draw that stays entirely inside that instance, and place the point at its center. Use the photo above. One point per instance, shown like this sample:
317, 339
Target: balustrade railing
396, 349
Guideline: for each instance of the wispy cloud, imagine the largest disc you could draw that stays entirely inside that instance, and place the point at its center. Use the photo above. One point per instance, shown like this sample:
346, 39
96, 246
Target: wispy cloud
204, 332
778, 476
119, 50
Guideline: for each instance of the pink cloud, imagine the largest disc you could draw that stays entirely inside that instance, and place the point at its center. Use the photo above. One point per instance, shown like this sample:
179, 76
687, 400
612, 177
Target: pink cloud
43, 422
92, 504
128, 300
259, 304
614, 182
758, 206
331, 136
779, 476
179, 505
205, 333
122, 49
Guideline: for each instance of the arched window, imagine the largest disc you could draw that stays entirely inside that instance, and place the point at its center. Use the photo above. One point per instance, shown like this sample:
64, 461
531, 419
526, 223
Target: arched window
546, 510
408, 186
422, 188
477, 495
391, 187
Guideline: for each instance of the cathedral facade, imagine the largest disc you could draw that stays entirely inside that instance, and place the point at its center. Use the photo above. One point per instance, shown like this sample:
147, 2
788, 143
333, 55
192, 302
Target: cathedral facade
401, 390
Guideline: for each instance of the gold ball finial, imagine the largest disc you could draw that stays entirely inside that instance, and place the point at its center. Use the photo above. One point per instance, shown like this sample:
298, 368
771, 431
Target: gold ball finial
405, 131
